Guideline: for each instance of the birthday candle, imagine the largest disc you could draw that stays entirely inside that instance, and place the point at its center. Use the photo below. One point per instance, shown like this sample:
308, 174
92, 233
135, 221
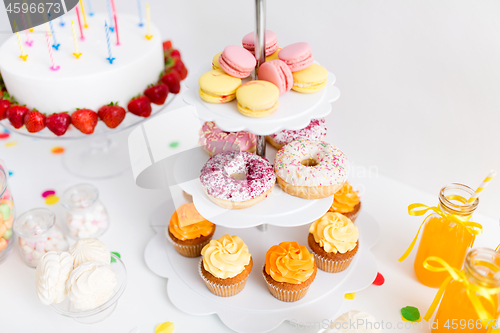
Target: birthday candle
22, 56
61, 22
113, 5
91, 11
52, 61
116, 30
76, 53
85, 25
79, 23
110, 13
139, 5
55, 45
110, 58
148, 35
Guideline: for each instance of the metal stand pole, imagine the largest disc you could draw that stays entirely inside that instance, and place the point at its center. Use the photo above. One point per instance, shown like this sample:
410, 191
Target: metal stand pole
260, 55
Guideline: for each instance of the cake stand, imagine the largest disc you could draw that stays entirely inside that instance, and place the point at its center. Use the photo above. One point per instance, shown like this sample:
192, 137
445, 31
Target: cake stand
97, 156
255, 309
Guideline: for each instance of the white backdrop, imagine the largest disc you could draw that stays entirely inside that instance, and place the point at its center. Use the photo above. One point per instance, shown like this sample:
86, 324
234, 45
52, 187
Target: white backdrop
419, 79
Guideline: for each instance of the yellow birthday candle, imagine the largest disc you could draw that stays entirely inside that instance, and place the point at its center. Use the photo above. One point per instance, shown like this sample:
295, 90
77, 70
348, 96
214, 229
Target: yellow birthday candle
148, 19
77, 54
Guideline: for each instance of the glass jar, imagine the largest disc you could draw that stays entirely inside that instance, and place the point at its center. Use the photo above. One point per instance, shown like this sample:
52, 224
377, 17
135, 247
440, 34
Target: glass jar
456, 311
444, 238
7, 214
38, 234
85, 215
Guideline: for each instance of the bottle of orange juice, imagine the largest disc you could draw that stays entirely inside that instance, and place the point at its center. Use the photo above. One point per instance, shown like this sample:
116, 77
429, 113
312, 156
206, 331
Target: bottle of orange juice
442, 237
472, 305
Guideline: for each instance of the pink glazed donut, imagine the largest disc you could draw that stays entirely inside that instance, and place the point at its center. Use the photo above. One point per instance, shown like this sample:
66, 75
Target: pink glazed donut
216, 141
315, 131
236, 180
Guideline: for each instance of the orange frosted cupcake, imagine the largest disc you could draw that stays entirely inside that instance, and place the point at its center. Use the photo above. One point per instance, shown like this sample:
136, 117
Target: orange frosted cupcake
289, 271
189, 231
334, 241
225, 265
346, 201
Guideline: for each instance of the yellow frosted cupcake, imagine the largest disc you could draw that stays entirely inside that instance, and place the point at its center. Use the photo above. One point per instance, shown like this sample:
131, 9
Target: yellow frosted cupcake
289, 271
334, 241
189, 231
347, 202
225, 265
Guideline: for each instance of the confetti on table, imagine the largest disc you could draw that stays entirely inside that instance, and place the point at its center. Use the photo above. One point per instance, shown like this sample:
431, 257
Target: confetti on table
350, 296
47, 193
57, 150
11, 173
166, 327
411, 314
116, 254
174, 144
11, 144
4, 135
52, 199
379, 280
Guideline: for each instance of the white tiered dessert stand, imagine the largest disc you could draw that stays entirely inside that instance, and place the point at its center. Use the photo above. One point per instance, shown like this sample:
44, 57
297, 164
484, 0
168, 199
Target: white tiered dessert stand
278, 218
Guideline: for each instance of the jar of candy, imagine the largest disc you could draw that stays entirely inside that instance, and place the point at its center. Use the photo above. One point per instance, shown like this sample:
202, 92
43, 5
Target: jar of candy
7, 214
38, 234
85, 215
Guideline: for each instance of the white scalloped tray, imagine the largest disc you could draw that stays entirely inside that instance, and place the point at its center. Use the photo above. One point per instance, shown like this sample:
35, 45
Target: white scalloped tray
255, 309
295, 110
278, 209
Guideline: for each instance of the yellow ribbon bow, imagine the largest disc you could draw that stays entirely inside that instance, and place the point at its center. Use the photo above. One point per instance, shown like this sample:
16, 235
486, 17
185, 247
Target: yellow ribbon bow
473, 291
418, 209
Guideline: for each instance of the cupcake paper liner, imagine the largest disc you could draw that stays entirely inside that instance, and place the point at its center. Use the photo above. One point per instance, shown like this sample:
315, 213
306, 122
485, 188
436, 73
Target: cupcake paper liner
222, 290
190, 251
285, 295
332, 265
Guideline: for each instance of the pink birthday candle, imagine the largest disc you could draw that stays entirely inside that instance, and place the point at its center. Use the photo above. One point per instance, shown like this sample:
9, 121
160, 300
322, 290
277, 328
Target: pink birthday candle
52, 61
79, 23
116, 30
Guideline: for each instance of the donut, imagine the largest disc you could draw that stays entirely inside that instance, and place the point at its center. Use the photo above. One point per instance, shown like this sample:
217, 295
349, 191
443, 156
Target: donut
315, 131
215, 141
236, 180
310, 169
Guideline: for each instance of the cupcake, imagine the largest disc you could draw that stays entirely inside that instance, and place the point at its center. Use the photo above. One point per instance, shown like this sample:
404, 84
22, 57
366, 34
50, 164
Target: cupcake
289, 271
189, 231
346, 201
334, 241
225, 265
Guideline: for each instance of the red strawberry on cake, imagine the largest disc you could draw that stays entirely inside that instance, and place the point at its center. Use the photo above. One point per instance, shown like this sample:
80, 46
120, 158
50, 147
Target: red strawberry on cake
140, 106
58, 123
4, 105
173, 80
34, 121
157, 94
16, 113
112, 114
84, 120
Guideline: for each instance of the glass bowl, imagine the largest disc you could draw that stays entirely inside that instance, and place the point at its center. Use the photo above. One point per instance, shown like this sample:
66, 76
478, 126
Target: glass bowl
105, 310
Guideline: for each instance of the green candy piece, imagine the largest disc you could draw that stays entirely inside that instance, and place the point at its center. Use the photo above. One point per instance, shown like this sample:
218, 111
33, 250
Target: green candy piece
410, 313
5, 211
7, 234
116, 254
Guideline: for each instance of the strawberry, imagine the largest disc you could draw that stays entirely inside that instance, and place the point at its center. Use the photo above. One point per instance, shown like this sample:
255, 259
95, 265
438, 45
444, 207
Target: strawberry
4, 105
58, 123
175, 54
84, 120
112, 114
169, 63
167, 45
157, 94
34, 121
140, 106
180, 68
173, 80
16, 113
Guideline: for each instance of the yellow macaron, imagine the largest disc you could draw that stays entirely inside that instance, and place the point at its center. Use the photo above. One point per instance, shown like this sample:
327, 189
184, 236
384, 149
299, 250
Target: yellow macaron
310, 80
215, 61
218, 87
257, 98
274, 56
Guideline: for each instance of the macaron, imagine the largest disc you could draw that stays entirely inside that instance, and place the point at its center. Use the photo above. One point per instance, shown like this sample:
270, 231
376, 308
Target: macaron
277, 72
297, 56
271, 42
237, 62
274, 56
215, 61
311, 79
218, 87
257, 98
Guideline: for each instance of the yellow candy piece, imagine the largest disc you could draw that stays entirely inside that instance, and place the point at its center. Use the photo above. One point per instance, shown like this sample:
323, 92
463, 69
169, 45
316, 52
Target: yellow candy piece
166, 327
51, 200
350, 295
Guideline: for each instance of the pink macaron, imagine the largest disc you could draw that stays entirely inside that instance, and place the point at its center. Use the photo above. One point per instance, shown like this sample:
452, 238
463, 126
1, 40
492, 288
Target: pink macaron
271, 42
237, 62
277, 72
297, 56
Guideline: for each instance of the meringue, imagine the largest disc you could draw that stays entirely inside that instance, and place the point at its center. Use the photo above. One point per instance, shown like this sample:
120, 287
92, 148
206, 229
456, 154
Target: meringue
52, 272
90, 285
362, 321
90, 249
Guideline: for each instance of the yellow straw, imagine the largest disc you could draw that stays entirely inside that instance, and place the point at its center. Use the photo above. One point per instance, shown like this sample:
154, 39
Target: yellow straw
77, 54
85, 25
483, 185
22, 56
148, 36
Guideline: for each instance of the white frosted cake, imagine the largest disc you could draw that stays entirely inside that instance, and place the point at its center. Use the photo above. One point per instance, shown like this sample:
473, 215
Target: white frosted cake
90, 81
